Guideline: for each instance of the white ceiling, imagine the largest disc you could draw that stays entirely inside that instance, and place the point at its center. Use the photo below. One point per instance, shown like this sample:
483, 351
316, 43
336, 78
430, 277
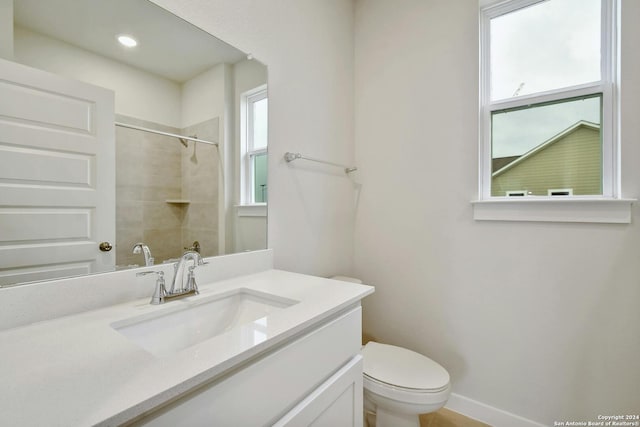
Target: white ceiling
167, 45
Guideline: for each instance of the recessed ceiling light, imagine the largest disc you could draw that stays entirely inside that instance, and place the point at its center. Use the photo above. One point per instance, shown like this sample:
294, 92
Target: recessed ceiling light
127, 41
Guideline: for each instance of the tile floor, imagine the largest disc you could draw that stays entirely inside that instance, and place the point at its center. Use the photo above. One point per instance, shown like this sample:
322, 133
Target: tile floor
441, 418
447, 418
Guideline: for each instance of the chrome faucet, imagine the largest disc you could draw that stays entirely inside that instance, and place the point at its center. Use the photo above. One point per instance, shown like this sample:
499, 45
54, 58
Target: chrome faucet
141, 247
178, 286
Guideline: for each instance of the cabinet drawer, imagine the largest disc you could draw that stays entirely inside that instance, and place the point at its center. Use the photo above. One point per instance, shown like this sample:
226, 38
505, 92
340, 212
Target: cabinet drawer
262, 392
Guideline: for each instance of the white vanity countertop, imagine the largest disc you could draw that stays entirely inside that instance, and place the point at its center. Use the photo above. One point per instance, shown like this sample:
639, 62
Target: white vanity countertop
77, 370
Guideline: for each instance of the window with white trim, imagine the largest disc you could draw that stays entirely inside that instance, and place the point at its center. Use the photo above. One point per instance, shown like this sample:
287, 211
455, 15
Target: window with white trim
254, 143
547, 89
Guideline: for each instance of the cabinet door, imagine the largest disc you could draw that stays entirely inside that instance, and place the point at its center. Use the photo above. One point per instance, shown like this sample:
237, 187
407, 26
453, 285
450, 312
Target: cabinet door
336, 403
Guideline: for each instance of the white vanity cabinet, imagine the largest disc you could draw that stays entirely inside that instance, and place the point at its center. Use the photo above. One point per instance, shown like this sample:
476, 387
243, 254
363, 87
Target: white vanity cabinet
314, 378
299, 365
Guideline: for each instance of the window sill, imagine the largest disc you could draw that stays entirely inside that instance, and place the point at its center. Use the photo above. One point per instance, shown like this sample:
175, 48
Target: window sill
544, 209
256, 209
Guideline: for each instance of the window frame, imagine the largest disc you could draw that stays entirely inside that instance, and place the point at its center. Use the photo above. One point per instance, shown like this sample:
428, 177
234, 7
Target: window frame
248, 152
608, 86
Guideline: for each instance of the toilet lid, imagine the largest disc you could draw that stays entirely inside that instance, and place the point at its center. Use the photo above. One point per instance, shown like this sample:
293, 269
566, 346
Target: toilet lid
402, 368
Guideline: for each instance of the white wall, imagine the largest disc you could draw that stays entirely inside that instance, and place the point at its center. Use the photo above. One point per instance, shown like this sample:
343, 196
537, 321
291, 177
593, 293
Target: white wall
203, 96
308, 47
538, 319
139, 94
248, 74
6, 29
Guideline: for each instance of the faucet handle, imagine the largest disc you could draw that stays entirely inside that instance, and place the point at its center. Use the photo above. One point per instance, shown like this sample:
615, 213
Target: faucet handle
191, 281
160, 291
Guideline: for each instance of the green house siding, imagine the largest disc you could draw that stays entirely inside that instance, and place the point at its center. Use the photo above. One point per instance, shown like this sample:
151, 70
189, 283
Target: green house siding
573, 161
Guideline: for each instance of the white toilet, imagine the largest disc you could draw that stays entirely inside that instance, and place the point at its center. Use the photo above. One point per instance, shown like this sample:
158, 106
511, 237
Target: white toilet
400, 384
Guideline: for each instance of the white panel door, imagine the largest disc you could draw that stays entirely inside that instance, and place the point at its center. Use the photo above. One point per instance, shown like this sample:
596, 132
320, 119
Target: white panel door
57, 175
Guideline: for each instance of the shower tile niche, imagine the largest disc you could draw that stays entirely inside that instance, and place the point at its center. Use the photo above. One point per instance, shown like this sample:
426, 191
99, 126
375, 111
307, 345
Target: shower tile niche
166, 193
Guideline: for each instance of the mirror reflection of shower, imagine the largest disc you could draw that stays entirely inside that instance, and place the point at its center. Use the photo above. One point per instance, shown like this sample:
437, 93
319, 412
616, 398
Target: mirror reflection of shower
194, 157
166, 194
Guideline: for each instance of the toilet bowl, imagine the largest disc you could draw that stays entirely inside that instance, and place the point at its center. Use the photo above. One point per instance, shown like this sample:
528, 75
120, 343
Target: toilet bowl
400, 384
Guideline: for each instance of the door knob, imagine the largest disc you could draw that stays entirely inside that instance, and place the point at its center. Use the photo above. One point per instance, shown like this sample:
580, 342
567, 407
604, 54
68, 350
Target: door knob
105, 246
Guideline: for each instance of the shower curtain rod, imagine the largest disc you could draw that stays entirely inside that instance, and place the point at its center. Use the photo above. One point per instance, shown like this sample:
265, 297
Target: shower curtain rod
187, 138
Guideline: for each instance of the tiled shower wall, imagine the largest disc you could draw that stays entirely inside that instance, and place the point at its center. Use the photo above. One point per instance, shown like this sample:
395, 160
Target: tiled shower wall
151, 169
200, 174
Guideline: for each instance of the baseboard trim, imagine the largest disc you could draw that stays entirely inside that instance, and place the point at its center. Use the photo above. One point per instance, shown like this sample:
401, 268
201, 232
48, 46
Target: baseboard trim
487, 414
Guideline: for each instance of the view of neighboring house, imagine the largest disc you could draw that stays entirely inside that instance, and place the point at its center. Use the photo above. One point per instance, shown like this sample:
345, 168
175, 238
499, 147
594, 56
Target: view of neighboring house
568, 163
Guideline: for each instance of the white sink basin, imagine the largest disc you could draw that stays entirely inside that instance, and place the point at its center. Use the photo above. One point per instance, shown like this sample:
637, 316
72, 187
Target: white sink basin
186, 323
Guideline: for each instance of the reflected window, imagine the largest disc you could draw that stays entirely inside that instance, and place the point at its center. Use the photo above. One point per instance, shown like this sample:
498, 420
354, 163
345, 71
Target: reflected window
254, 146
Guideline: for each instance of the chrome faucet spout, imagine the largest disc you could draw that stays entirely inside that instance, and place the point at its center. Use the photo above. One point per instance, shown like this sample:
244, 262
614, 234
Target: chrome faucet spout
141, 247
178, 285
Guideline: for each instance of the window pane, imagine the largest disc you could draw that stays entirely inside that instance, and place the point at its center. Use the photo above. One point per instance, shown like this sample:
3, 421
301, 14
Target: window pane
260, 112
260, 178
550, 45
548, 147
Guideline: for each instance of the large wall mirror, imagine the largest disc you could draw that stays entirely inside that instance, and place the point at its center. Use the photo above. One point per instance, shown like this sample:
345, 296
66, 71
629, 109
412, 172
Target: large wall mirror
186, 139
